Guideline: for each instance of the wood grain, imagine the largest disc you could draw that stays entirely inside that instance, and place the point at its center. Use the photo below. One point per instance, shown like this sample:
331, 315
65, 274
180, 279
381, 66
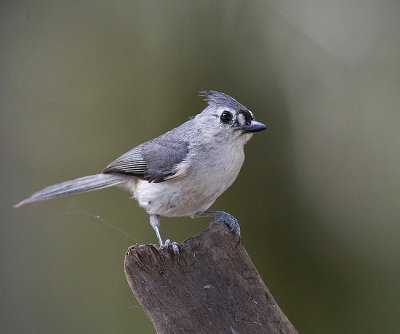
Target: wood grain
211, 287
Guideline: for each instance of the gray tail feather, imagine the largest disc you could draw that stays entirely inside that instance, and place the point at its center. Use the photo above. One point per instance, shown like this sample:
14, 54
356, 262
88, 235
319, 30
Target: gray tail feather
86, 183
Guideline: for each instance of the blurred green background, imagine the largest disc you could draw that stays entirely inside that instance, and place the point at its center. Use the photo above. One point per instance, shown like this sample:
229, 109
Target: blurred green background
318, 198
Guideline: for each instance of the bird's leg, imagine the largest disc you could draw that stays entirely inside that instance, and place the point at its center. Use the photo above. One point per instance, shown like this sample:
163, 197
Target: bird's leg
223, 217
155, 224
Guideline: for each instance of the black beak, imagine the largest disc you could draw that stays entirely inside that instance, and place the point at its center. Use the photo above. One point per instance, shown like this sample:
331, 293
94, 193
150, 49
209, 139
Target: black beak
254, 126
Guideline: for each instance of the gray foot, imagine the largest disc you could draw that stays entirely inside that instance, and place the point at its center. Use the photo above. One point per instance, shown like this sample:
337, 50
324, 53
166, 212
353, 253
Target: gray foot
223, 217
174, 246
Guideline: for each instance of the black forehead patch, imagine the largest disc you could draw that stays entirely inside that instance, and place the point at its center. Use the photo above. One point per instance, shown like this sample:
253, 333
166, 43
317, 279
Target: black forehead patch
218, 99
247, 116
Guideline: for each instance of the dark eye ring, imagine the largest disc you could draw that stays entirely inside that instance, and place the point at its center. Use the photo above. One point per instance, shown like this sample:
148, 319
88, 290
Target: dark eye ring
226, 117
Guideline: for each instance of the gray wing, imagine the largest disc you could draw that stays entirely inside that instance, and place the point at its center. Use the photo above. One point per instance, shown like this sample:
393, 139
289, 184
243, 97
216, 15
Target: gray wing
155, 160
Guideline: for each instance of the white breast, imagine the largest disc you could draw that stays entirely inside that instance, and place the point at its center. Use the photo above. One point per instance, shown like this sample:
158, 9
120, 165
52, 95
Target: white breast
203, 176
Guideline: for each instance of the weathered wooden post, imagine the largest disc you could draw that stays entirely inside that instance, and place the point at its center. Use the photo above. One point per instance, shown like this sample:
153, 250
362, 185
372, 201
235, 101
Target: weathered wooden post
211, 287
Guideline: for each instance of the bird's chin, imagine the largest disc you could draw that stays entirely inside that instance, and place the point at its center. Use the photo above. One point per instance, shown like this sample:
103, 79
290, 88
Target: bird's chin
245, 136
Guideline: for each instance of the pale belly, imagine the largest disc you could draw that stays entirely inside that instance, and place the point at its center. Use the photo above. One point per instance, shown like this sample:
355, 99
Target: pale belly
190, 194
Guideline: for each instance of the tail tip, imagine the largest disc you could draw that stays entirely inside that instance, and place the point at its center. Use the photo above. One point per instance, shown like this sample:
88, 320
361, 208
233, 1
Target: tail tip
24, 202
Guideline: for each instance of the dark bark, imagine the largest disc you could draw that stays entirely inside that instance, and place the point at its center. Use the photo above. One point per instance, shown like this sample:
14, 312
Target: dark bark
211, 287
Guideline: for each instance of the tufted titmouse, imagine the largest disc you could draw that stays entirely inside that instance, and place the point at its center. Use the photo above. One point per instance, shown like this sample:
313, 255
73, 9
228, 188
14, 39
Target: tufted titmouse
182, 172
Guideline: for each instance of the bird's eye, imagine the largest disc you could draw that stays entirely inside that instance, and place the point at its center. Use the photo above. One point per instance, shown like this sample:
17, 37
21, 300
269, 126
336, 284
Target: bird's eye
226, 117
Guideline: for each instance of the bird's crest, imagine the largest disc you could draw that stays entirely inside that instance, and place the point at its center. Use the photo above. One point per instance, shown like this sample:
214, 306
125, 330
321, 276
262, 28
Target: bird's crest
218, 99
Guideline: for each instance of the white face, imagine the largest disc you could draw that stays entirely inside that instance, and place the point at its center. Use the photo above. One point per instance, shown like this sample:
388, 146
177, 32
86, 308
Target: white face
227, 124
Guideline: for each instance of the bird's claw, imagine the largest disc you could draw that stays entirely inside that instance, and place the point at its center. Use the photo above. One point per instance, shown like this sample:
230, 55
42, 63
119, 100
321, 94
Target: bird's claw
174, 246
223, 217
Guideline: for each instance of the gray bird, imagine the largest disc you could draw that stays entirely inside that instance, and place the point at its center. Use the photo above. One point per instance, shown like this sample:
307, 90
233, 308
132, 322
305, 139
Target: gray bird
182, 172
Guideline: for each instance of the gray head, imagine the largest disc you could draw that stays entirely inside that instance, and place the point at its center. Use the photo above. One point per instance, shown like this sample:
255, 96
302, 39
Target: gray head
226, 118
